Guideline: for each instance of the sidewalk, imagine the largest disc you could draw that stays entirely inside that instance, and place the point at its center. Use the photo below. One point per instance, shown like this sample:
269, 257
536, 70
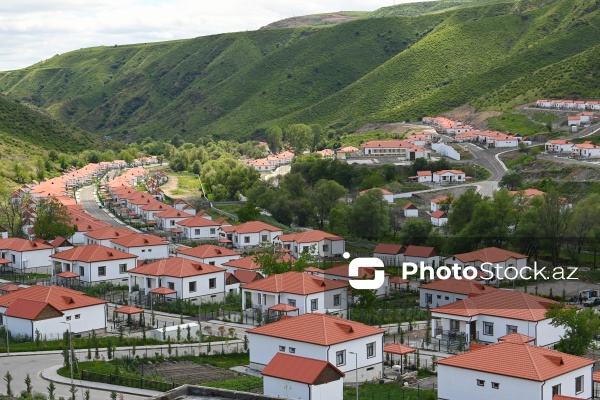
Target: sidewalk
51, 374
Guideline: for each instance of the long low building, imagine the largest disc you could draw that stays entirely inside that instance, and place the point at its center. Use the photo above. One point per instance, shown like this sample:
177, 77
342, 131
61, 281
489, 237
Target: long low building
400, 148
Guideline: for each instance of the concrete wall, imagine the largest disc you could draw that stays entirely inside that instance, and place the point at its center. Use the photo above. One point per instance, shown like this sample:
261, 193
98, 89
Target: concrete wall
445, 150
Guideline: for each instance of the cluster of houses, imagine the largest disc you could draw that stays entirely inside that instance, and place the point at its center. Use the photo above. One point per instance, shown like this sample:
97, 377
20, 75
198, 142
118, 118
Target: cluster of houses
586, 149
569, 104
400, 148
271, 162
446, 176
437, 213
447, 126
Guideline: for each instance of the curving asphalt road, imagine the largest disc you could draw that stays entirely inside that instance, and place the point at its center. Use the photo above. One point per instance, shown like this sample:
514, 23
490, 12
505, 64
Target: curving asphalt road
87, 200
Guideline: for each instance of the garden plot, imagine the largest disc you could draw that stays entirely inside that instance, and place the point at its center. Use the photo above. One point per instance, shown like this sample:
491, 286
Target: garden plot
189, 372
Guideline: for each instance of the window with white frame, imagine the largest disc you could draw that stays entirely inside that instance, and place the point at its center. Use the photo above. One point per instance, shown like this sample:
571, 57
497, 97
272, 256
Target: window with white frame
488, 328
246, 239
213, 231
101, 271
196, 232
495, 385
81, 271
428, 298
172, 222
340, 358
511, 329
192, 286
292, 350
454, 325
171, 285
148, 283
480, 382
325, 248
281, 348
292, 302
264, 238
212, 283
556, 390
259, 298
337, 300
122, 268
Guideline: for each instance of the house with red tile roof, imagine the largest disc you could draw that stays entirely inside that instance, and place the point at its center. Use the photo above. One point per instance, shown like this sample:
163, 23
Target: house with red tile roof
168, 219
187, 278
342, 272
586, 150
144, 246
24, 255
449, 176
346, 152
390, 254
493, 315
199, 228
249, 263
439, 218
45, 308
559, 146
208, 253
445, 291
387, 195
504, 263
511, 370
252, 233
183, 205
317, 243
233, 281
529, 193
95, 263
400, 148
411, 211
322, 337
422, 254
423, 177
302, 293
290, 376
438, 203
103, 236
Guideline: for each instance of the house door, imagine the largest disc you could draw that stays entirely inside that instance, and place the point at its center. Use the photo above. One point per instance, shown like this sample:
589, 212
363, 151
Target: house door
473, 331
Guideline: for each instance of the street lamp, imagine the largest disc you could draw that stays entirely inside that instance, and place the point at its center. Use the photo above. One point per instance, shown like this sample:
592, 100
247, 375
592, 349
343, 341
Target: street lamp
70, 350
7, 335
356, 370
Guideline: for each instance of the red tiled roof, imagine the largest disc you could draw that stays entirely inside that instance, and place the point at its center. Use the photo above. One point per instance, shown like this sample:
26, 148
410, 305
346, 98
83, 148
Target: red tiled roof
489, 254
92, 253
519, 360
283, 308
253, 227
439, 199
138, 240
309, 237
18, 244
388, 248
516, 338
596, 376
501, 303
439, 214
173, 213
26, 309
301, 369
58, 297
410, 206
295, 282
420, 251
244, 263
9, 288
397, 348
396, 280
317, 328
129, 310
109, 233
424, 173
342, 270
163, 290
460, 286
383, 191
176, 267
207, 251
198, 221
246, 276
68, 275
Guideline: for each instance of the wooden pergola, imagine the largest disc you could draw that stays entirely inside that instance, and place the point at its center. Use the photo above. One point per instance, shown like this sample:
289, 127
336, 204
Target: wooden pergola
399, 349
129, 311
67, 276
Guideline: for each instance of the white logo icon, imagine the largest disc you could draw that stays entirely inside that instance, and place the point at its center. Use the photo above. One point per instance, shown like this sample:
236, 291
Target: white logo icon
367, 262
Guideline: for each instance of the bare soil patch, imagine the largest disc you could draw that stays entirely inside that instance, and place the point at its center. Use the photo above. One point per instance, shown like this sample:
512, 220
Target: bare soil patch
189, 372
468, 114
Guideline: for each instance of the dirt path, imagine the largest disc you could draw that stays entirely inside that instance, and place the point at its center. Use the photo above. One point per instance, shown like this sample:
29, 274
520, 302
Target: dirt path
171, 185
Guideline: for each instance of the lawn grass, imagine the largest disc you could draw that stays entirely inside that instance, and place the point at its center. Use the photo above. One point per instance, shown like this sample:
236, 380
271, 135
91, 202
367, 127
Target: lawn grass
516, 124
375, 391
78, 343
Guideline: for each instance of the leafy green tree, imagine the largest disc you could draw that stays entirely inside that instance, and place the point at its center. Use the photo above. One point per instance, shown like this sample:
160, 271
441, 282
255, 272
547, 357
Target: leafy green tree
535, 152
8, 378
94, 156
584, 219
462, 210
416, 231
274, 137
512, 180
248, 212
10, 213
581, 326
370, 215
366, 299
554, 218
339, 219
299, 136
51, 389
317, 135
326, 195
52, 220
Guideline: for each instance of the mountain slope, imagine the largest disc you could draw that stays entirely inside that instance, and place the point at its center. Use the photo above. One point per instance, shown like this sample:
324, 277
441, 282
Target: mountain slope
368, 70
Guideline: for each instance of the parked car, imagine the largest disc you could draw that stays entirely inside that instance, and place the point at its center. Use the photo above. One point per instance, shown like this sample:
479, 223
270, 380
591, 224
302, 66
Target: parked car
592, 302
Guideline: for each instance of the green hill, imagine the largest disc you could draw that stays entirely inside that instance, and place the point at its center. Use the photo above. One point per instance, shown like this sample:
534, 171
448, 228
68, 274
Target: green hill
429, 59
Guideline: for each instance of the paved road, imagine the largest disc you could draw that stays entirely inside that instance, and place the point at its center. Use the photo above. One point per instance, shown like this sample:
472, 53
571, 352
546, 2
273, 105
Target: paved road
19, 366
86, 198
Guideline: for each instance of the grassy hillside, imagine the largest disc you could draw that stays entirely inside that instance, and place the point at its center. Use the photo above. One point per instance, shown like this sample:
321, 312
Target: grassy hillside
385, 69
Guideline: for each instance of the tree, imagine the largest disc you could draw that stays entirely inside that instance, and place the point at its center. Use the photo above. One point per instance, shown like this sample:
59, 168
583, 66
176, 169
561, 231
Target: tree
326, 195
554, 218
51, 389
416, 231
369, 217
28, 385
274, 137
584, 220
248, 212
462, 210
581, 326
339, 219
366, 299
8, 379
10, 212
52, 220
512, 180
535, 151
317, 134
396, 217
299, 136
